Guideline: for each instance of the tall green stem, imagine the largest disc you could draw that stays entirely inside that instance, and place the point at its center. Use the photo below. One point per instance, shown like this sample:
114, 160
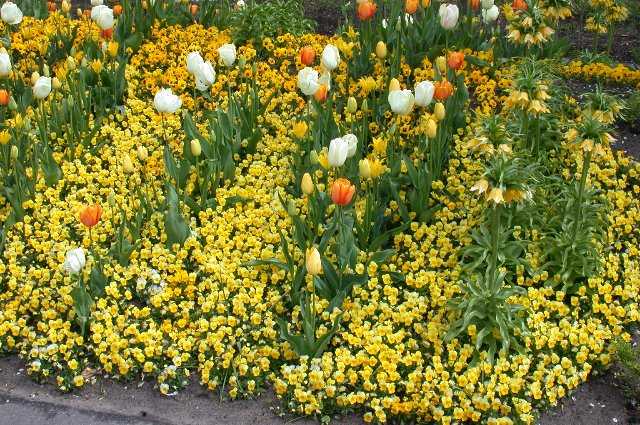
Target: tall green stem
583, 181
495, 234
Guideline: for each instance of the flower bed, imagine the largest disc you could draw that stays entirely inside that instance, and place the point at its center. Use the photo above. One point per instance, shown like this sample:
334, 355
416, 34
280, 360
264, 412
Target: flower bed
399, 254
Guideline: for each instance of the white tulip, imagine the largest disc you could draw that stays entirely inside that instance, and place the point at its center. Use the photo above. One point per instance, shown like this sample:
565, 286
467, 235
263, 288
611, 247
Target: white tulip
240, 4
74, 261
308, 81
96, 2
401, 101
103, 16
486, 4
490, 15
352, 143
5, 63
424, 93
205, 76
338, 151
42, 87
227, 53
330, 57
166, 102
194, 60
11, 13
448, 16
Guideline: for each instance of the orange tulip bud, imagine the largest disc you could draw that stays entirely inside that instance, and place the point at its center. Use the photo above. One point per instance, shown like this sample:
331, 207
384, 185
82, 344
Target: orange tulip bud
4, 97
107, 34
455, 61
410, 6
117, 10
366, 10
475, 4
322, 93
519, 5
51, 6
443, 89
90, 216
307, 55
342, 192
194, 9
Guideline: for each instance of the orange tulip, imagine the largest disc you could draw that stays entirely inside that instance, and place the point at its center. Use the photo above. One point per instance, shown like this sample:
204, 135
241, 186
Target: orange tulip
4, 97
455, 61
342, 192
193, 9
107, 34
410, 6
475, 4
443, 89
51, 6
366, 10
322, 93
519, 5
307, 55
90, 215
117, 10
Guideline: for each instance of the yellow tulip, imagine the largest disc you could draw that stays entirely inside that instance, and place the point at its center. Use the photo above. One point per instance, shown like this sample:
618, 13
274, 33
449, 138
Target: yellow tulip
441, 63
432, 128
313, 261
394, 85
439, 111
381, 50
196, 149
5, 136
307, 184
364, 167
127, 165
300, 129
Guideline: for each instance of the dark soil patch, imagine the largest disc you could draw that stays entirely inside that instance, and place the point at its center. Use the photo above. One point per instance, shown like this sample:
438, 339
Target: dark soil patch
625, 42
327, 14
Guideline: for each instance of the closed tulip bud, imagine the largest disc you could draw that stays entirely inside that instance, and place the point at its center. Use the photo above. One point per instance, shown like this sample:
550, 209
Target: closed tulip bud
79, 12
196, 149
45, 70
352, 105
12, 104
439, 111
143, 154
112, 48
432, 128
365, 105
307, 55
127, 165
34, 77
411, 6
14, 152
313, 262
300, 129
307, 184
426, 3
394, 85
364, 167
55, 83
65, 6
4, 97
71, 63
291, 208
313, 157
441, 63
381, 50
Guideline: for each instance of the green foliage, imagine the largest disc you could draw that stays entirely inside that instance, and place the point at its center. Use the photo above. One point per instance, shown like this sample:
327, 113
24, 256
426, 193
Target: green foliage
628, 367
632, 113
269, 19
498, 322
